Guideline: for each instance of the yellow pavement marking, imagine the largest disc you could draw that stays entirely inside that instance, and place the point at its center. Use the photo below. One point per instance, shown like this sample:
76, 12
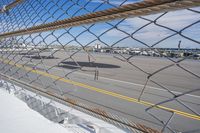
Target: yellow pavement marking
110, 93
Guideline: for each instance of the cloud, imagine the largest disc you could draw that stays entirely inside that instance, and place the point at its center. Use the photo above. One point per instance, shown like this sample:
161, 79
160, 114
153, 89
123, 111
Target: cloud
179, 19
175, 20
116, 2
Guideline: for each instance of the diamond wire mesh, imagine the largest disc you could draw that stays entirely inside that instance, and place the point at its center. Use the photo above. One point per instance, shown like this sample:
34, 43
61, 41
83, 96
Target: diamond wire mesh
135, 50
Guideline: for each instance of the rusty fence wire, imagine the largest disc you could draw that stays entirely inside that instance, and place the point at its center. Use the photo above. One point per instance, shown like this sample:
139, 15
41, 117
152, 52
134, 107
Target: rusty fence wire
112, 59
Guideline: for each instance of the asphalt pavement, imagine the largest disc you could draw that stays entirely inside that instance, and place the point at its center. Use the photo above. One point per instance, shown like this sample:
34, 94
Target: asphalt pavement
119, 85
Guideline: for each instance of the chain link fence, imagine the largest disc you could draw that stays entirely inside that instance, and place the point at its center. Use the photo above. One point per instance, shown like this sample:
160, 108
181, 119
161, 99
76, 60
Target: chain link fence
113, 59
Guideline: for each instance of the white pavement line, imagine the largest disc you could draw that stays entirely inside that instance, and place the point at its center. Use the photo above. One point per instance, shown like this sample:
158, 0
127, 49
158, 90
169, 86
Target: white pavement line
136, 84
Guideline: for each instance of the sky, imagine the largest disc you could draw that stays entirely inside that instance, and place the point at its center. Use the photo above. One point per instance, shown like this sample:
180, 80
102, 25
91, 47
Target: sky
35, 12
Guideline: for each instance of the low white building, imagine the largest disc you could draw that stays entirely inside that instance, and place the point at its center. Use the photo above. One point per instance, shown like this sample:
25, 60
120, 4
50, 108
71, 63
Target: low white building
97, 46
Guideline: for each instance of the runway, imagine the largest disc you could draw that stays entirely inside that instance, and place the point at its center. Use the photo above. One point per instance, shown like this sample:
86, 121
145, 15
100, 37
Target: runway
119, 85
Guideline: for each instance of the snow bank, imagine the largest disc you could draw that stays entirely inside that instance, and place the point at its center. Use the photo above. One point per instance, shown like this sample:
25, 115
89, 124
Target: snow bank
24, 111
17, 117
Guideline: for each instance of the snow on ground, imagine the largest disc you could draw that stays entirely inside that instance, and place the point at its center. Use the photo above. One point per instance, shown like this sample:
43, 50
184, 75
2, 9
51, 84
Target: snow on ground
17, 117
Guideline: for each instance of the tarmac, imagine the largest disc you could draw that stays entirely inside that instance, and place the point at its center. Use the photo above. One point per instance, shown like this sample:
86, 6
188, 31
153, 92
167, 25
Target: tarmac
120, 84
